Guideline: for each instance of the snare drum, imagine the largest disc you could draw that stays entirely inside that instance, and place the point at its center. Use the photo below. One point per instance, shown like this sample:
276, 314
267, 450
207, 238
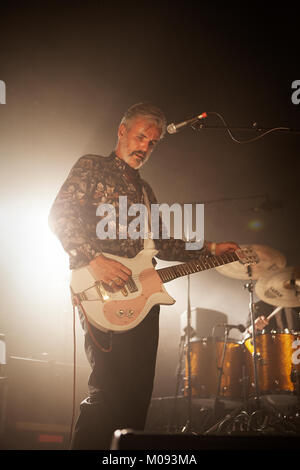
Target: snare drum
206, 357
278, 364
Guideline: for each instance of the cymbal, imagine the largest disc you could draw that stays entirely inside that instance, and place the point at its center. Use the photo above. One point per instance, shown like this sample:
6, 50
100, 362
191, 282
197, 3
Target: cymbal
270, 260
281, 288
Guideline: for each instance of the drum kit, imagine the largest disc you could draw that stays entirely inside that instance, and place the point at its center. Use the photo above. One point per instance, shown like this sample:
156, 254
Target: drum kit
264, 364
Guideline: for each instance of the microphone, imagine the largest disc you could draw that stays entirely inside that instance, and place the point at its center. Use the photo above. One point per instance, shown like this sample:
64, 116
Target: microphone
173, 128
241, 328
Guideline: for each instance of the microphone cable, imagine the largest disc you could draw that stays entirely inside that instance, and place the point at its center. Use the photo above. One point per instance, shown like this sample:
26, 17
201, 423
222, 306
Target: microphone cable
74, 377
227, 128
107, 350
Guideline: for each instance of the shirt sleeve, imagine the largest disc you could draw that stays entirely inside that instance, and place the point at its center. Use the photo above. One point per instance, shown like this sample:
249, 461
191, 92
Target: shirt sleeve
172, 249
68, 218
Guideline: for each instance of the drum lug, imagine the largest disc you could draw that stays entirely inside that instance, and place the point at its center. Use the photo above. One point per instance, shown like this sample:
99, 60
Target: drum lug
257, 356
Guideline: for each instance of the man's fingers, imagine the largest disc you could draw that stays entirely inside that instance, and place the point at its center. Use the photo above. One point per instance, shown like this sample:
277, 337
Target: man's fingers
121, 275
121, 270
112, 273
125, 270
225, 247
118, 281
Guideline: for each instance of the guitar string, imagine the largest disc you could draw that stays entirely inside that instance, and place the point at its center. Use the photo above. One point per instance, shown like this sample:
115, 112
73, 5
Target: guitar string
191, 267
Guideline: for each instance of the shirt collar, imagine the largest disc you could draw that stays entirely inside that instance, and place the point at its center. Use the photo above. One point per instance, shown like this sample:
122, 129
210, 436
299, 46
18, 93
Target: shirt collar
124, 167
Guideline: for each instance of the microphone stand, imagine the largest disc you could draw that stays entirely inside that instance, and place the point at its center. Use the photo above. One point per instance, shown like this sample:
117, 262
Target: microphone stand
188, 425
187, 428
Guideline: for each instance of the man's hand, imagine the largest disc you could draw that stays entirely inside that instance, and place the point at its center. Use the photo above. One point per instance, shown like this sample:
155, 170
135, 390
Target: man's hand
261, 322
110, 271
224, 247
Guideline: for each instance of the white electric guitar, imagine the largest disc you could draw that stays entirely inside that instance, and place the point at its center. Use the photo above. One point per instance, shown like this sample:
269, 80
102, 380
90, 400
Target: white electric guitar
125, 309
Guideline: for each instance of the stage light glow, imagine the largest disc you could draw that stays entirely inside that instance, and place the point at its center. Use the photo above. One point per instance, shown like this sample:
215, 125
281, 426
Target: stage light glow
37, 253
37, 273
255, 224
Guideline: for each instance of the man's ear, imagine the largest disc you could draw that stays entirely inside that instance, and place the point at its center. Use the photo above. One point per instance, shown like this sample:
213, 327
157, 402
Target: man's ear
122, 130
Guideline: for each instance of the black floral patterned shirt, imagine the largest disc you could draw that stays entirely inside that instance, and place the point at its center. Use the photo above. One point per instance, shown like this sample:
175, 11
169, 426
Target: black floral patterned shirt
94, 180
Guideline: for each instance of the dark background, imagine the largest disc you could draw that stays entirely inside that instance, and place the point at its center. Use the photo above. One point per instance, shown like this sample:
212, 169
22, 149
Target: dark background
71, 70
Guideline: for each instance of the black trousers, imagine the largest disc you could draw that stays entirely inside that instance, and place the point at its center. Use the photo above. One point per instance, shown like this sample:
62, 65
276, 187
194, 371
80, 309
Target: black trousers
120, 384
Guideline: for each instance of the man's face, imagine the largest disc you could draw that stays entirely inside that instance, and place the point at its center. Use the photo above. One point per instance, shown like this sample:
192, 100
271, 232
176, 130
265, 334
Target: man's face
135, 145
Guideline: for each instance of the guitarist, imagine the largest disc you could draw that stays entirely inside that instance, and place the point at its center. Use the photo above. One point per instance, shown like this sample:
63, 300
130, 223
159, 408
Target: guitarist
123, 365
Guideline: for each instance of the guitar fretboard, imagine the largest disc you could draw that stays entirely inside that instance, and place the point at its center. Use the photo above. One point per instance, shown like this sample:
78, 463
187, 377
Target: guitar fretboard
201, 264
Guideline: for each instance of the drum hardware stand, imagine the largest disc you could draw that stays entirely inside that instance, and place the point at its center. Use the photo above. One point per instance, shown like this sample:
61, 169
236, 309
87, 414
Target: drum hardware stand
252, 417
245, 384
296, 416
295, 377
296, 380
249, 285
172, 427
219, 408
188, 425
256, 411
243, 418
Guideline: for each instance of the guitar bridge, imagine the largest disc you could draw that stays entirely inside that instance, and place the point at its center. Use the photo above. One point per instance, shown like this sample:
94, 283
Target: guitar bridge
80, 296
101, 291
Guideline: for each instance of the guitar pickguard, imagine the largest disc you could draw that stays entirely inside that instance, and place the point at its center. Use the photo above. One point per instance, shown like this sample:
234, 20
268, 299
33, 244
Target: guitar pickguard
126, 311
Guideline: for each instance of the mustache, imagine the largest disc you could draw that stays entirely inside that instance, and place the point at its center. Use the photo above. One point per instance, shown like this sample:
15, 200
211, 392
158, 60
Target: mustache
139, 153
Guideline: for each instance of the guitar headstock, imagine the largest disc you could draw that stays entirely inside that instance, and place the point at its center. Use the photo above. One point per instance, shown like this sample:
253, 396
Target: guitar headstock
247, 255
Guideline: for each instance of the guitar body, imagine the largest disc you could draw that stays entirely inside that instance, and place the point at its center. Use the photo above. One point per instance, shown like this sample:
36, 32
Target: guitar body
125, 309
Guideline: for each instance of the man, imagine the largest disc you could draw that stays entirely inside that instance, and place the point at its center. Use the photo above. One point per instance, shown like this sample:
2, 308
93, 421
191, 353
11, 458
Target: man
123, 365
286, 318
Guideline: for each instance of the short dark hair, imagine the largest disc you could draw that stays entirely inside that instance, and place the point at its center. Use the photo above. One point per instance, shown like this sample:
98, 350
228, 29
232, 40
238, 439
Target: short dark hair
149, 111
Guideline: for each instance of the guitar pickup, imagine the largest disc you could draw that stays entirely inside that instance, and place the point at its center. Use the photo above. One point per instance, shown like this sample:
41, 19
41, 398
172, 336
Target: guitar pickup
124, 291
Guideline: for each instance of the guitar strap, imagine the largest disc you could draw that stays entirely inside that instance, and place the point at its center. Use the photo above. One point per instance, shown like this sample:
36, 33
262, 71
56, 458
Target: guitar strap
76, 302
148, 240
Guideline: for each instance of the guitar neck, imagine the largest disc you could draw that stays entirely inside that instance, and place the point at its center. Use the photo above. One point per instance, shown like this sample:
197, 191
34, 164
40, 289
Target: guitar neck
201, 264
